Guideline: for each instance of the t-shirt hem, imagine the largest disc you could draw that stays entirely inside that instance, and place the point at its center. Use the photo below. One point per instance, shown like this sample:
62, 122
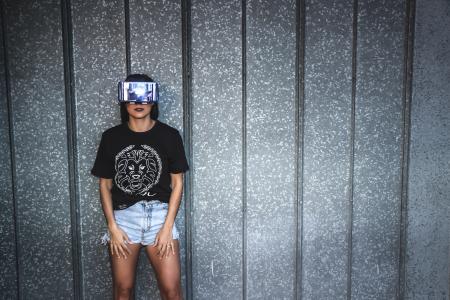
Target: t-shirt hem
176, 171
102, 175
124, 205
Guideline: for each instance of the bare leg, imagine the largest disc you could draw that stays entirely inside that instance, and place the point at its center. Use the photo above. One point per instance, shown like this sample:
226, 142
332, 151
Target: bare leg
124, 272
167, 272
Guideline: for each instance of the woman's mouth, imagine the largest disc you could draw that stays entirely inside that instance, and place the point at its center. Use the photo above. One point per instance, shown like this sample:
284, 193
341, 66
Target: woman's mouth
139, 109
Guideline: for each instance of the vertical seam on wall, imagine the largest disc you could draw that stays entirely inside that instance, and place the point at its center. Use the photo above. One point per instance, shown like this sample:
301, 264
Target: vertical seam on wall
299, 127
244, 147
126, 4
67, 40
127, 36
352, 150
187, 133
407, 95
12, 150
297, 144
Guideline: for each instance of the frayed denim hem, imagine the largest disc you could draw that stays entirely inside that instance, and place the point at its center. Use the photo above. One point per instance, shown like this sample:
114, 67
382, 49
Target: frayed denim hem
104, 239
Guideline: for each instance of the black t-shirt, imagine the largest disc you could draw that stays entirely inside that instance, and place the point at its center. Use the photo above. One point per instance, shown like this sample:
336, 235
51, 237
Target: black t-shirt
140, 163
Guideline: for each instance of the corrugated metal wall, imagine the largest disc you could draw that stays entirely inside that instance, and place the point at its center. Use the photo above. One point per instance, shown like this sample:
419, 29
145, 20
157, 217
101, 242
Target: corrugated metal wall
427, 251
301, 119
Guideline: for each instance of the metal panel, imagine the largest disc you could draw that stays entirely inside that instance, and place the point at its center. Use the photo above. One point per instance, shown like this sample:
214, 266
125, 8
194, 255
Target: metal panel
99, 62
428, 240
378, 146
155, 39
271, 149
327, 148
38, 106
217, 149
8, 269
235, 257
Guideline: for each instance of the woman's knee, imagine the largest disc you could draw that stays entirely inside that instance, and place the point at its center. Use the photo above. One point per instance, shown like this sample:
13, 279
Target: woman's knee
172, 291
123, 290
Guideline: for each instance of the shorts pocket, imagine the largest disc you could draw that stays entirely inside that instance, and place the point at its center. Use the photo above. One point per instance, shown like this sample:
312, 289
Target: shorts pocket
126, 212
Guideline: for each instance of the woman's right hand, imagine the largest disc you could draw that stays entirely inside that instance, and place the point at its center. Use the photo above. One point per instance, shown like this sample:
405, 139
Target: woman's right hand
118, 241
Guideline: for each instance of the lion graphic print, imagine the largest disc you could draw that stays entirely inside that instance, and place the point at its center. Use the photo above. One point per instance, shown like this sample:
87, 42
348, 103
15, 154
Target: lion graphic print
138, 169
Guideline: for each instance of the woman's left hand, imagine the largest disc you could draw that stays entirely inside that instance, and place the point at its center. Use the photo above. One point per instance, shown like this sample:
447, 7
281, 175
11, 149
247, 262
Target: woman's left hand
164, 242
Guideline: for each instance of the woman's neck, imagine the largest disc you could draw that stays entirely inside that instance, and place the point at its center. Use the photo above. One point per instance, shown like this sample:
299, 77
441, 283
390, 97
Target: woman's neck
141, 125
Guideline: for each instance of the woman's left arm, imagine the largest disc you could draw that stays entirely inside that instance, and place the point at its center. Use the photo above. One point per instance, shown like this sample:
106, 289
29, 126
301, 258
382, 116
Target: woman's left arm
164, 237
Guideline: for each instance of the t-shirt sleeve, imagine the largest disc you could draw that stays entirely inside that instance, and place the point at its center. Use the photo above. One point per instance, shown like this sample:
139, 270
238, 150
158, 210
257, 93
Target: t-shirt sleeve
177, 157
104, 164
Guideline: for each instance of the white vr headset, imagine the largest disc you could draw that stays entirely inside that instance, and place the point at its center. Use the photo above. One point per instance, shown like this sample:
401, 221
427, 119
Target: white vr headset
138, 92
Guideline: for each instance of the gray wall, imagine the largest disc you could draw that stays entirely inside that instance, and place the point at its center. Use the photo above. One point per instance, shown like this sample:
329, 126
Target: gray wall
316, 132
428, 231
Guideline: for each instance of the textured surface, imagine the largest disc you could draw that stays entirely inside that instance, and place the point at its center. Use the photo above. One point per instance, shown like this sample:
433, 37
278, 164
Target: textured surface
99, 62
155, 40
217, 149
8, 270
219, 233
428, 229
327, 129
38, 108
378, 145
271, 149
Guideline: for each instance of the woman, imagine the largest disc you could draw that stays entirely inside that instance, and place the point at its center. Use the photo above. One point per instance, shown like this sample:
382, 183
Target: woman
140, 164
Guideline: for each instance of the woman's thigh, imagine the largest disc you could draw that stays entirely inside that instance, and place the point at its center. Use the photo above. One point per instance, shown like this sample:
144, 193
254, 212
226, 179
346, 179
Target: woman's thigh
167, 269
124, 270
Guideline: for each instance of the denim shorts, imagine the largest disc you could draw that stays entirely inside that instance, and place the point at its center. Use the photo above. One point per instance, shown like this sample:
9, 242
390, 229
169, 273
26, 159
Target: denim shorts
142, 221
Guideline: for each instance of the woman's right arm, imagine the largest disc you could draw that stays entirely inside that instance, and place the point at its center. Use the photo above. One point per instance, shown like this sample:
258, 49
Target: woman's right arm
118, 236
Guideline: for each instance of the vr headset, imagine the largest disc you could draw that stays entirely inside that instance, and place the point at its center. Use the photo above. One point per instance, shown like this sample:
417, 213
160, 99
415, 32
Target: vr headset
138, 92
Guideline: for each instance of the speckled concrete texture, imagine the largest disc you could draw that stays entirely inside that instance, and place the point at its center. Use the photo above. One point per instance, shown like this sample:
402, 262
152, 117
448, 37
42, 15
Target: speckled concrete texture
155, 39
271, 149
99, 62
8, 270
428, 240
217, 149
44, 233
378, 146
327, 145
37, 94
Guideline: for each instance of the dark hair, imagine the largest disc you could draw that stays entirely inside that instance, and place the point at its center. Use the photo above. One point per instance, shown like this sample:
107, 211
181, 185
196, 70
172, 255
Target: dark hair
123, 110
